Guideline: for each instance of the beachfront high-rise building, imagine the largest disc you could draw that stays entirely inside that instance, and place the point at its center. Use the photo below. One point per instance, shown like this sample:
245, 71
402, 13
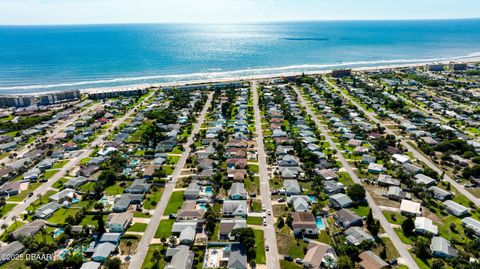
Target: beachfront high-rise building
435, 67
43, 99
457, 66
341, 73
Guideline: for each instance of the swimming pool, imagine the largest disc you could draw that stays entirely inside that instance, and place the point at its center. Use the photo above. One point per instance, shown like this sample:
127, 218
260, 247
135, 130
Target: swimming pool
319, 223
58, 232
208, 190
312, 198
202, 206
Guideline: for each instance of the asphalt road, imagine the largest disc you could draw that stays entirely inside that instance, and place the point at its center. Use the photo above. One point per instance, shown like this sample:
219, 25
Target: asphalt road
42, 189
373, 117
269, 230
406, 258
142, 249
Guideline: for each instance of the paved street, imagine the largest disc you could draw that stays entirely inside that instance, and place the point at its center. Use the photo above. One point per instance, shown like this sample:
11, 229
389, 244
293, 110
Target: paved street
269, 231
373, 117
143, 245
406, 258
42, 189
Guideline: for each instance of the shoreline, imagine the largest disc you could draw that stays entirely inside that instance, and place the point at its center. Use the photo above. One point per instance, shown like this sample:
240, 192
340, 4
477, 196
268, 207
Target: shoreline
268, 76
227, 79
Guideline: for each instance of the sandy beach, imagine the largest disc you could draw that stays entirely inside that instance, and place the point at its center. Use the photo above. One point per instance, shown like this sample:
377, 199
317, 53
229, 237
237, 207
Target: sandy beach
265, 76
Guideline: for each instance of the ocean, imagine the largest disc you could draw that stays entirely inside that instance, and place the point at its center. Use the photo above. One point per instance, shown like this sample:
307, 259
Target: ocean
50, 58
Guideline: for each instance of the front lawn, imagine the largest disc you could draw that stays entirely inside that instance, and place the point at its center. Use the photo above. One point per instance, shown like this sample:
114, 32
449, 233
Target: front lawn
175, 203
152, 198
254, 220
147, 262
22, 195
259, 247
164, 228
60, 164
138, 227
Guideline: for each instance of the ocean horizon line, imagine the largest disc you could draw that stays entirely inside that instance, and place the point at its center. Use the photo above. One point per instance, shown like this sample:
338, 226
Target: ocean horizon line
239, 22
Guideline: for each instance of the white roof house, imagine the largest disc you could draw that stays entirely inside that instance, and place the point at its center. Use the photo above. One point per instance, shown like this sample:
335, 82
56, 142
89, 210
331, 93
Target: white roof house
421, 178
400, 158
440, 247
425, 226
408, 207
455, 208
472, 223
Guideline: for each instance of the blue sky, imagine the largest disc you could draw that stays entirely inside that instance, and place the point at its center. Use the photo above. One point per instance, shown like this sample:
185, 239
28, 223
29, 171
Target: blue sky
227, 11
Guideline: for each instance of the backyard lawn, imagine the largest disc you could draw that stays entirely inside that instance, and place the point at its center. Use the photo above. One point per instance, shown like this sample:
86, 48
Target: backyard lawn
61, 214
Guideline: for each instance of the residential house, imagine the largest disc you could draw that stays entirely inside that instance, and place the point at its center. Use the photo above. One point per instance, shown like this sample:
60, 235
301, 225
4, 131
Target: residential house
356, 235
397, 194
237, 191
411, 168
440, 194
319, 255
292, 187
9, 251
455, 208
410, 208
426, 180
328, 174
29, 229
425, 226
340, 200
228, 225
371, 261
47, 210
138, 186
304, 223
333, 187
10, 188
63, 194
119, 222
387, 180
122, 203
440, 247
299, 202
375, 168
234, 208
345, 218
181, 257
192, 192
75, 182
102, 251
472, 223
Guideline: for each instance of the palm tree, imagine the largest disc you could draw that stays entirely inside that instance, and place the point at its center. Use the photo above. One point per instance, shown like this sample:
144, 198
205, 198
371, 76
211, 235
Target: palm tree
129, 245
156, 257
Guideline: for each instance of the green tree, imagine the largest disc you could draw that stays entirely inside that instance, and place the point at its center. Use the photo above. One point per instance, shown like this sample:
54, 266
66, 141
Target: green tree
113, 263
356, 192
246, 237
407, 226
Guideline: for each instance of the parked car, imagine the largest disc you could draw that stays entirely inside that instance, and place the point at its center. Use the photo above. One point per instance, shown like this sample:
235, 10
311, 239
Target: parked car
288, 258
